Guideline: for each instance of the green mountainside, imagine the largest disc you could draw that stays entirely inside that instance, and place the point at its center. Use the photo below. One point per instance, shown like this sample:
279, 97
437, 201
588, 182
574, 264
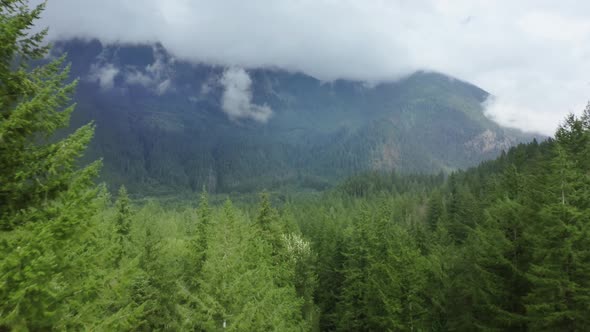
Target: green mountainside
319, 132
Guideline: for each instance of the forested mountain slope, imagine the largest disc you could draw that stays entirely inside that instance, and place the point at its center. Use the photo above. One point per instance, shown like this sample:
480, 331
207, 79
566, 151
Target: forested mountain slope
165, 124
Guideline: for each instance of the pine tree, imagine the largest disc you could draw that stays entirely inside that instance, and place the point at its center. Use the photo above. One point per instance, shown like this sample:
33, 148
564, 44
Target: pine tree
560, 272
353, 304
239, 290
198, 243
500, 255
44, 198
156, 288
441, 259
330, 243
204, 213
123, 213
436, 210
398, 284
300, 258
463, 212
266, 214
32, 109
122, 223
268, 224
496, 259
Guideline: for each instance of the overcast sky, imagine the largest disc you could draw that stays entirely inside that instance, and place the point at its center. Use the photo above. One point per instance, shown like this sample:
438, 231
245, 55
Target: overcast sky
533, 55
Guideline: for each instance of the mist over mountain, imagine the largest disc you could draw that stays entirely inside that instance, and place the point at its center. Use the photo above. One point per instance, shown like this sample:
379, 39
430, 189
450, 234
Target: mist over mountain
164, 124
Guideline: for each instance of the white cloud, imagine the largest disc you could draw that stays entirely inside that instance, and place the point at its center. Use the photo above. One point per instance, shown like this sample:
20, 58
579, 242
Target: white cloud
138, 78
104, 74
534, 55
236, 101
163, 87
156, 76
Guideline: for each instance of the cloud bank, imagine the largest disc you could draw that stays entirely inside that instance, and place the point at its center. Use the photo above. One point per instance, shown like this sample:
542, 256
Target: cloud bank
236, 101
532, 55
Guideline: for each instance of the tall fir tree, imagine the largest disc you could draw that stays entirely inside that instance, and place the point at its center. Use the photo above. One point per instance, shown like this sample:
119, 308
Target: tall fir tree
204, 214
560, 271
45, 198
268, 224
353, 303
122, 223
198, 242
123, 213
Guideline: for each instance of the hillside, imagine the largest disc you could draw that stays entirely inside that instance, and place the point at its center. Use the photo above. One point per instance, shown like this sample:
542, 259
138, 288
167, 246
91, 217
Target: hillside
164, 124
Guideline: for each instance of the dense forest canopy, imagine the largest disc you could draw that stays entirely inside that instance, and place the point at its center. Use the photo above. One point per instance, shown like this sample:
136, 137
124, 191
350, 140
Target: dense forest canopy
504, 246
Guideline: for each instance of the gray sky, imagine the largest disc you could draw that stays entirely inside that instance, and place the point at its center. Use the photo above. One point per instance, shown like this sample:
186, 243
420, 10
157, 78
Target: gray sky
532, 55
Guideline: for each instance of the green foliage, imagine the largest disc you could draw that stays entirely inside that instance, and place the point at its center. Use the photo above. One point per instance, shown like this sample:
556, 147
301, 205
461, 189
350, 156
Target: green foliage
35, 171
560, 269
241, 284
45, 199
122, 218
501, 247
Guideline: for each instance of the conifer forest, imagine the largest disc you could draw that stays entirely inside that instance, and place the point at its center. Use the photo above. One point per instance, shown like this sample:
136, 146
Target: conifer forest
501, 244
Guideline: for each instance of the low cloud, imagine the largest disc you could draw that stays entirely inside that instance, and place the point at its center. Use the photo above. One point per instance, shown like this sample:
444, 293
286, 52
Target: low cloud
236, 100
533, 55
156, 76
163, 87
136, 77
104, 75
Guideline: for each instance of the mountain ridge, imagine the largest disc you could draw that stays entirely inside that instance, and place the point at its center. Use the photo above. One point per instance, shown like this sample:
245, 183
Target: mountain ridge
188, 125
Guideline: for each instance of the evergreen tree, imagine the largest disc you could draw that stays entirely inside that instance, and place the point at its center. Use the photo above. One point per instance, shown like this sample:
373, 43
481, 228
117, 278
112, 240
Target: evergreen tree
33, 106
155, 288
204, 214
398, 280
267, 215
499, 254
122, 223
353, 304
269, 226
301, 259
441, 259
44, 198
436, 210
463, 212
560, 273
240, 291
493, 283
198, 242
123, 210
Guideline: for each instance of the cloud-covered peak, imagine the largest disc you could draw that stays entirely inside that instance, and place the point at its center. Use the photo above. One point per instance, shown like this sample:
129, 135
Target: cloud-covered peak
532, 55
